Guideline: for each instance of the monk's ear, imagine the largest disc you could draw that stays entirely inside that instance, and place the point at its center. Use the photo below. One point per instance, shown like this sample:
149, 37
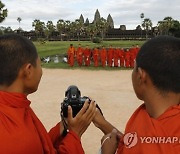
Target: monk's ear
27, 70
142, 75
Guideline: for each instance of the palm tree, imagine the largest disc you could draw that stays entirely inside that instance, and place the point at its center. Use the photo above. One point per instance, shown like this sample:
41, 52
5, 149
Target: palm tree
39, 27
79, 28
67, 27
60, 27
161, 27
50, 28
147, 25
19, 20
142, 17
3, 12
169, 23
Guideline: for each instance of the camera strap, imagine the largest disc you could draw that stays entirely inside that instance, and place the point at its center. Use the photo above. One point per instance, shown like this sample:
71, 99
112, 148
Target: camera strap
66, 130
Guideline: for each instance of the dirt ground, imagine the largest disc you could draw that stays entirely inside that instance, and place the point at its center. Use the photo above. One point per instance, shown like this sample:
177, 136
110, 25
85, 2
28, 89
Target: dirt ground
112, 90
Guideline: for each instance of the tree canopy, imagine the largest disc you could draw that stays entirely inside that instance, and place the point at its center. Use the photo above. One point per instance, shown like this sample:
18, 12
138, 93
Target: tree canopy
3, 12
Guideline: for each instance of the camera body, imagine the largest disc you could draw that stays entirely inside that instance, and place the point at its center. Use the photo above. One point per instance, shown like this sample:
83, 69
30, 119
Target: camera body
74, 99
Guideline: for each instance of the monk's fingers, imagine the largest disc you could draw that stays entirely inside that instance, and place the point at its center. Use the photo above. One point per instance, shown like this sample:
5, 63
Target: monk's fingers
83, 110
91, 110
93, 113
70, 114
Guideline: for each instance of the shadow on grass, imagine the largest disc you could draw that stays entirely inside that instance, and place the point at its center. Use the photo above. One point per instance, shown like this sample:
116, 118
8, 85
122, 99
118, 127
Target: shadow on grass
52, 65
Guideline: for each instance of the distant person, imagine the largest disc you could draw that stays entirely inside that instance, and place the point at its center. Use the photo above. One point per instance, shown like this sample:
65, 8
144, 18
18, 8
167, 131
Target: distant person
137, 49
127, 58
96, 56
71, 54
116, 57
110, 56
87, 56
132, 52
154, 128
21, 132
121, 57
79, 55
103, 56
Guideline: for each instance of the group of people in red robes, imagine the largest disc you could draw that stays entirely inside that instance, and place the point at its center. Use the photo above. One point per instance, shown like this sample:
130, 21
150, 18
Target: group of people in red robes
112, 57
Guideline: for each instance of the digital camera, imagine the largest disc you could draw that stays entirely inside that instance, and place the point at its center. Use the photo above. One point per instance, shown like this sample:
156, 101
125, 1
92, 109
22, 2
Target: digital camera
74, 99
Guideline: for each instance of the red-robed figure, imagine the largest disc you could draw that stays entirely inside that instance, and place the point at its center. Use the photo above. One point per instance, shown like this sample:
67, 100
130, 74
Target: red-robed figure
110, 56
79, 55
116, 57
71, 53
137, 50
132, 56
95, 56
87, 56
121, 57
103, 55
127, 58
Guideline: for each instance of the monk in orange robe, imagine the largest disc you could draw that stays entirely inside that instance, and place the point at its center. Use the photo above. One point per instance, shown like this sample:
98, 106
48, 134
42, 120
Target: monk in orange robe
127, 58
21, 132
154, 127
110, 56
103, 56
137, 49
121, 57
116, 57
96, 57
79, 55
87, 56
71, 54
132, 52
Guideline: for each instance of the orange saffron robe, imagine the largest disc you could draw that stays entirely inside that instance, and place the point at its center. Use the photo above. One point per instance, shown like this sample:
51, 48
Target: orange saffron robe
96, 57
79, 56
116, 57
110, 56
121, 57
103, 56
71, 54
152, 136
21, 132
87, 56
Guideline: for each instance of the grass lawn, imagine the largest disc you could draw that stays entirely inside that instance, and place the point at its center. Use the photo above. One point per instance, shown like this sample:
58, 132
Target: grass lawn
53, 48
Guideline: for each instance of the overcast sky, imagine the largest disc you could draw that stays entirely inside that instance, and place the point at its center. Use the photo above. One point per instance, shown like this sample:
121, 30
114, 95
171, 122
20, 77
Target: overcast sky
125, 12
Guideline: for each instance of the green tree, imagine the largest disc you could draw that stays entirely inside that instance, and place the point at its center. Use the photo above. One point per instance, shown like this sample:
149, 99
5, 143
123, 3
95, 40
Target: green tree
79, 28
5, 30
39, 27
67, 28
60, 27
91, 31
102, 27
19, 21
3, 12
175, 29
147, 25
50, 28
165, 25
